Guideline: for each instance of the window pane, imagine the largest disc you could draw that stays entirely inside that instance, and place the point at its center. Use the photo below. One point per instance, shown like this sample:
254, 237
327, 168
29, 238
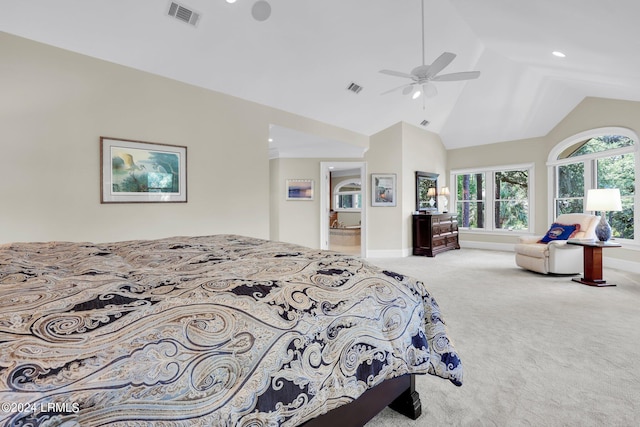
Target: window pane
348, 201
470, 189
471, 214
597, 145
349, 186
511, 199
569, 206
622, 222
619, 172
470, 186
571, 180
512, 215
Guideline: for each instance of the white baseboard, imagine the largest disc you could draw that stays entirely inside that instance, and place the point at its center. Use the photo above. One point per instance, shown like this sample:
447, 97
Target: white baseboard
619, 264
388, 253
471, 244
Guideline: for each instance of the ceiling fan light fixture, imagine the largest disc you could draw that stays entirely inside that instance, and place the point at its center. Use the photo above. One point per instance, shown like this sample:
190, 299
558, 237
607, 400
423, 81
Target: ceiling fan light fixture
558, 54
423, 75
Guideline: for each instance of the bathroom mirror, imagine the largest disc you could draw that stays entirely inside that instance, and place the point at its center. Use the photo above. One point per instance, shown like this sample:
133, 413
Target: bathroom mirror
426, 191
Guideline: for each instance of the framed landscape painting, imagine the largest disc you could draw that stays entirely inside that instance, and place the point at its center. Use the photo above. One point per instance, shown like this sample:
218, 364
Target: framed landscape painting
299, 189
142, 172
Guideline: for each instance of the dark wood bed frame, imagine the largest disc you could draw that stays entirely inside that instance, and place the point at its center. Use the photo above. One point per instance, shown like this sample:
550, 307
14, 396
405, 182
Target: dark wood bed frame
398, 393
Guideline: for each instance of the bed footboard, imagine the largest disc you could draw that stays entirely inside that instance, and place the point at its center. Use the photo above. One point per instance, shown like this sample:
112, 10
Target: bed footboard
398, 393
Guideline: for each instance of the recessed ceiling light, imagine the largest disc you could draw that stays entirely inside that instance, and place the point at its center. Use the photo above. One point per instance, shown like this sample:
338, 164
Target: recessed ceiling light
270, 139
231, 1
558, 54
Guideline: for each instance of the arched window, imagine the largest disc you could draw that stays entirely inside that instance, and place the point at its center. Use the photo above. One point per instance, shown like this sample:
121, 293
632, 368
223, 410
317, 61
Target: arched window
600, 158
348, 195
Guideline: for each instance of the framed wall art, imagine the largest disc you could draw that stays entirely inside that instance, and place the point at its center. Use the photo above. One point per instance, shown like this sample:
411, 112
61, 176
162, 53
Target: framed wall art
299, 189
142, 172
383, 189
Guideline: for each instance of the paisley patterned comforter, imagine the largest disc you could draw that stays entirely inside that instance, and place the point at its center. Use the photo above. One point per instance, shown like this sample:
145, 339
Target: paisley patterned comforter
208, 331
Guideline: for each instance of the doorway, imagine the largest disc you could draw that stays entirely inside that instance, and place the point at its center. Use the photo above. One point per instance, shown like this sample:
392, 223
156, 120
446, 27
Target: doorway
343, 207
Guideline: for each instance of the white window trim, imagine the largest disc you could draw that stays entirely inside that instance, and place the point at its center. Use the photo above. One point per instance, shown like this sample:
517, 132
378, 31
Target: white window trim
553, 162
337, 192
489, 204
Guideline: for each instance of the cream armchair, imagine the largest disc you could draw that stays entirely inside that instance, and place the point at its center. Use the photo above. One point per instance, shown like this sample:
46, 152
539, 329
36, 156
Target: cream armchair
556, 257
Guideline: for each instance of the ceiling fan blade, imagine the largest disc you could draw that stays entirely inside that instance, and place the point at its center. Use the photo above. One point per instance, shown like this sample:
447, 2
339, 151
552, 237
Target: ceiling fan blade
439, 64
429, 90
452, 77
396, 73
395, 89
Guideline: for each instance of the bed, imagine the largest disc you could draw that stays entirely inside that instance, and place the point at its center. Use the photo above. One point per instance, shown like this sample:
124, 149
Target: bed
220, 330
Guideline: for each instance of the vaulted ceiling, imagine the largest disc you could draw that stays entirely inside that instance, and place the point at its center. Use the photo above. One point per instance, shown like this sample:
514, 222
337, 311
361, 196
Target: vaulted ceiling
305, 55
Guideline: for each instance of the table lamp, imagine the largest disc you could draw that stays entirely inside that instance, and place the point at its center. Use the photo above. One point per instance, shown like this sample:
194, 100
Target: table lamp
431, 193
444, 192
603, 200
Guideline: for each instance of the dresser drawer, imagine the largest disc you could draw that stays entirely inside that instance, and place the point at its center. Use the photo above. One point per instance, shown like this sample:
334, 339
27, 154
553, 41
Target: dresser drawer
434, 233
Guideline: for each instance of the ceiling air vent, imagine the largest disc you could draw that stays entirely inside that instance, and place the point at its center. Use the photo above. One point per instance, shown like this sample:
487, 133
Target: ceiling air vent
183, 14
424, 123
354, 87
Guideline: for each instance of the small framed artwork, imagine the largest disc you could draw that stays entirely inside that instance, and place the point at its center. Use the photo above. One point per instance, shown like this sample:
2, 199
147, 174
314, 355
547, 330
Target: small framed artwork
383, 189
142, 172
299, 189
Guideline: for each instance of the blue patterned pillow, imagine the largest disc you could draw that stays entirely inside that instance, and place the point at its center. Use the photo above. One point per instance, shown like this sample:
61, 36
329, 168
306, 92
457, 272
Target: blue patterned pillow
560, 232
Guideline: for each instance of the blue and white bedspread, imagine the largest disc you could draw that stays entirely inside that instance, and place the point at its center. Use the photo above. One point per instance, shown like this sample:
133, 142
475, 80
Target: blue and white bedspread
207, 331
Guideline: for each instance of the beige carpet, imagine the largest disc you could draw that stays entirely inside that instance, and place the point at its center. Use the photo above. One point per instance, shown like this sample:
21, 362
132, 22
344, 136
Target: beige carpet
537, 350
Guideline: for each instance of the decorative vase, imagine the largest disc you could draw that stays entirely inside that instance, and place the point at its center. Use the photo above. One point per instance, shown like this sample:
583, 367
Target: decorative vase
603, 229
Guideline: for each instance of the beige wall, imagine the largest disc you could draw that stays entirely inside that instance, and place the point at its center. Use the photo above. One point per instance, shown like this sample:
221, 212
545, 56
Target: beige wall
402, 149
422, 151
384, 223
591, 113
298, 221
54, 107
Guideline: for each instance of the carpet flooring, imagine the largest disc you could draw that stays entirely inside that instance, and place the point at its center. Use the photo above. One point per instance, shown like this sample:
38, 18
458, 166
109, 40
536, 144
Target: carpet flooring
537, 350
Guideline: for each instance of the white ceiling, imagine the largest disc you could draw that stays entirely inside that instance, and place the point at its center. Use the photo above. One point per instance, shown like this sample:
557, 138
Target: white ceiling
305, 55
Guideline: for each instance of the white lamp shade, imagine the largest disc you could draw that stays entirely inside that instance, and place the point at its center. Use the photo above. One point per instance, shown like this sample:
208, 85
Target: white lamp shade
444, 191
604, 199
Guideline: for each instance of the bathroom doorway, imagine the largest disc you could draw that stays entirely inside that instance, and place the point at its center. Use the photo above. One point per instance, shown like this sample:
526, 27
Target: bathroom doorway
343, 207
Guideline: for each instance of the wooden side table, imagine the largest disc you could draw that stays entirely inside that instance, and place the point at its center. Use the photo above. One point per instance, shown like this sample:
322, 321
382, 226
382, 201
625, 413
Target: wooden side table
593, 261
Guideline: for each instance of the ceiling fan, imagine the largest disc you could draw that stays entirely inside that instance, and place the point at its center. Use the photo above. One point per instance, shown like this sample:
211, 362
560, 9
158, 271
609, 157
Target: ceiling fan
423, 75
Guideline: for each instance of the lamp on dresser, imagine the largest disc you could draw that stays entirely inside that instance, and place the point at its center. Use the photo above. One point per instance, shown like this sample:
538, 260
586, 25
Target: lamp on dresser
603, 200
431, 194
444, 192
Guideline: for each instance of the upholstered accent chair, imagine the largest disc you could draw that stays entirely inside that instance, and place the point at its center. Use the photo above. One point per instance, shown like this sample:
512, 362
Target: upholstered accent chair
556, 257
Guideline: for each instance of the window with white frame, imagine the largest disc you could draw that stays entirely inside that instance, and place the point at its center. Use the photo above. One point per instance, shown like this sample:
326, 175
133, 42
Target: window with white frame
348, 196
497, 198
601, 158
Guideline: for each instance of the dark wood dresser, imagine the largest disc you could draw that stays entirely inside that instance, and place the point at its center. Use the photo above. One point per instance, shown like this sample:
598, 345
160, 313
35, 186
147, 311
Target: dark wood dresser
434, 233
